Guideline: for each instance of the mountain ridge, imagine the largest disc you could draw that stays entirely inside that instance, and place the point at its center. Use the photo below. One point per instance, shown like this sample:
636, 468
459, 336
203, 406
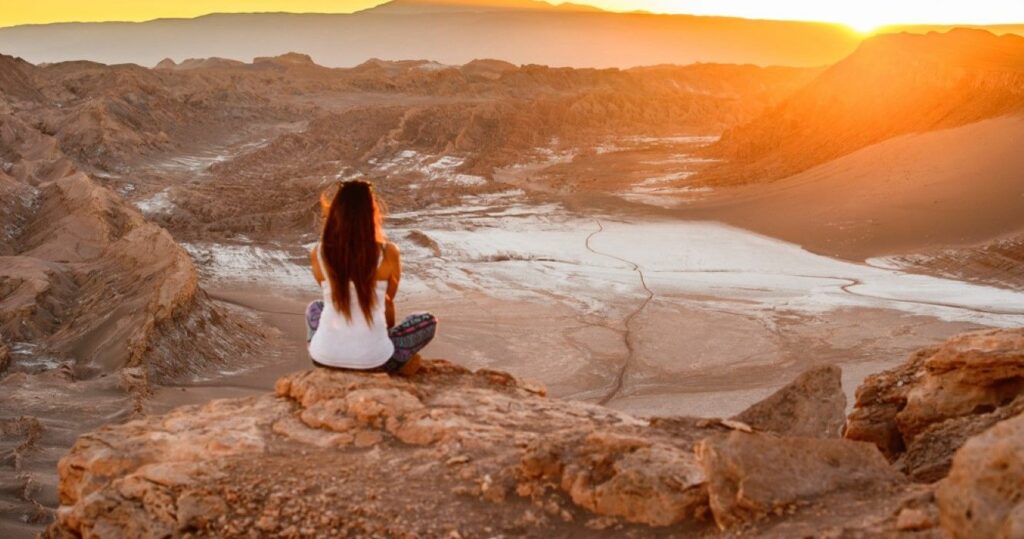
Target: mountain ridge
561, 37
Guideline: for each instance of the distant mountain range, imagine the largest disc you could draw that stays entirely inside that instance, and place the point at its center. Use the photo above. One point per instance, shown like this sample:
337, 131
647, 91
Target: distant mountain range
446, 31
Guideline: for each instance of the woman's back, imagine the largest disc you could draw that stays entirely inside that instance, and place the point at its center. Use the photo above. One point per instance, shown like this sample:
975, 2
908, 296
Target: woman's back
354, 326
355, 343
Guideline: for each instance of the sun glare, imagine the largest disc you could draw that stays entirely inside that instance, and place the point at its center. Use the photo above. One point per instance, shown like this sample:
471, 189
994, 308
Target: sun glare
863, 24
864, 16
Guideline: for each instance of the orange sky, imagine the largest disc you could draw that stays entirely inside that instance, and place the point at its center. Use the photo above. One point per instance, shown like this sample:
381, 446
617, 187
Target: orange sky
860, 14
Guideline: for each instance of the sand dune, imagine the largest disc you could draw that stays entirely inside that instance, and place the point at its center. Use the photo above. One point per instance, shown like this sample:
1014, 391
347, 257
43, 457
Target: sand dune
954, 187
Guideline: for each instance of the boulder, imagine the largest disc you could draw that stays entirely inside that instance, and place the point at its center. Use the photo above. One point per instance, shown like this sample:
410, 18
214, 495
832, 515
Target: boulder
983, 496
617, 475
880, 398
972, 373
754, 475
812, 405
930, 455
939, 398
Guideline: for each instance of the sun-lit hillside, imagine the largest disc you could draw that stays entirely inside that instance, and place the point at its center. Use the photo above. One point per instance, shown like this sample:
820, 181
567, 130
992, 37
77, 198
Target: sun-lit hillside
892, 85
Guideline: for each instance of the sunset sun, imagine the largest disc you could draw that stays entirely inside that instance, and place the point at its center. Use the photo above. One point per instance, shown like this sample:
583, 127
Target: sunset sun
862, 22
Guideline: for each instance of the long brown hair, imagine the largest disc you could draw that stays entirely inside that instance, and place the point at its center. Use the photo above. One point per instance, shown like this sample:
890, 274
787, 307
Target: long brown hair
351, 243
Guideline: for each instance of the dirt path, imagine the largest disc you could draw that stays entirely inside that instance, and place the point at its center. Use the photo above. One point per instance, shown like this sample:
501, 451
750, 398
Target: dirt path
628, 335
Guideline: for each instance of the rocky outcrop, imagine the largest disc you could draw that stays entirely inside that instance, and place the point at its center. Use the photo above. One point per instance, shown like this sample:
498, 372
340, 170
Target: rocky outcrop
813, 405
448, 450
930, 455
983, 496
921, 411
880, 398
482, 453
969, 374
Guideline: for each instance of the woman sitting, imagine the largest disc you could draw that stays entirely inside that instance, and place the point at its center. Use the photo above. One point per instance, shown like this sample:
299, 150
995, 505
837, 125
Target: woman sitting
353, 327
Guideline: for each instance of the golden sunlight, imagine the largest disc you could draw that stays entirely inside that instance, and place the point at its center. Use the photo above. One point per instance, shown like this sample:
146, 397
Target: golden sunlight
863, 15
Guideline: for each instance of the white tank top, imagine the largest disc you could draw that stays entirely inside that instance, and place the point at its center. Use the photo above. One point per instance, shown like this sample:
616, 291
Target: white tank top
351, 344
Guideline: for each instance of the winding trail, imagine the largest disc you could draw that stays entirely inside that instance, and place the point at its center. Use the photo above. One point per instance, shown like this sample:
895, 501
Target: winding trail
627, 335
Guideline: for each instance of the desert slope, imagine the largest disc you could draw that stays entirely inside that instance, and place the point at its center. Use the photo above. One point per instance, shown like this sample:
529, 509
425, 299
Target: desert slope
892, 85
96, 303
952, 187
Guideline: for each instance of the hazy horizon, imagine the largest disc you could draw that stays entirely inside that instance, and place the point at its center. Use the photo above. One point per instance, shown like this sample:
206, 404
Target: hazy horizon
864, 16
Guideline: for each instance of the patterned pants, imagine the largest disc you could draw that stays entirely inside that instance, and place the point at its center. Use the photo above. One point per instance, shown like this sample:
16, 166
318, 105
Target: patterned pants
409, 337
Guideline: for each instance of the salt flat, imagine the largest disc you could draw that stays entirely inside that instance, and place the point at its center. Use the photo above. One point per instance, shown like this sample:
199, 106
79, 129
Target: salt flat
653, 316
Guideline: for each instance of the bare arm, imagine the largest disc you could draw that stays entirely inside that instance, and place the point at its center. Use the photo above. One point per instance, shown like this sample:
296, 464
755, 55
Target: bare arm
394, 258
318, 272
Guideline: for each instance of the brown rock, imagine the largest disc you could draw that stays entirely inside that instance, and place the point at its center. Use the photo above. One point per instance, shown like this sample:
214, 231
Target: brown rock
812, 405
930, 455
621, 476
5, 357
299, 431
753, 475
911, 519
972, 373
879, 399
197, 511
939, 398
983, 496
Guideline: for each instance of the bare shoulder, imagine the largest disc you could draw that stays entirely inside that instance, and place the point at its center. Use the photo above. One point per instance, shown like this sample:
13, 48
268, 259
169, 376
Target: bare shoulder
391, 251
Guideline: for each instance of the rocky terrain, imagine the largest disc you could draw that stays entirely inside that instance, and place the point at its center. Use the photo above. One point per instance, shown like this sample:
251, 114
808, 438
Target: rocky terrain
155, 225
457, 453
96, 303
403, 125
100, 306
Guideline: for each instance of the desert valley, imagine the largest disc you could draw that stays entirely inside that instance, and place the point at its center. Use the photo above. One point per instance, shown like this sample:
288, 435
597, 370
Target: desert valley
667, 242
